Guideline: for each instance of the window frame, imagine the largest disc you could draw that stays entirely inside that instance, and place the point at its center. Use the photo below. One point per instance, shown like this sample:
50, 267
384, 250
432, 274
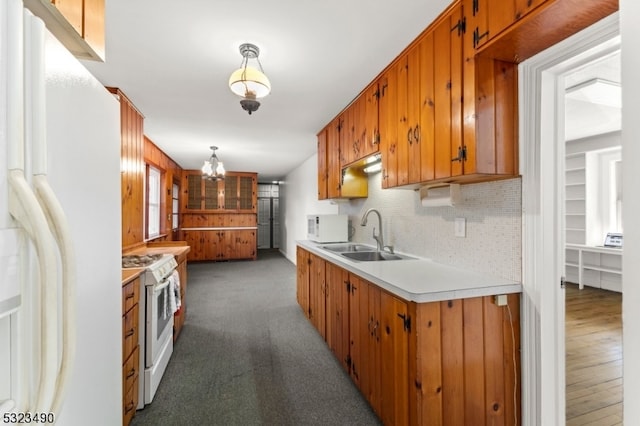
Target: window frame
150, 175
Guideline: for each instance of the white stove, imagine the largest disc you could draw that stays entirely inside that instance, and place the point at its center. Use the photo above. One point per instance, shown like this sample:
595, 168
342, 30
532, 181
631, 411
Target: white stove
156, 324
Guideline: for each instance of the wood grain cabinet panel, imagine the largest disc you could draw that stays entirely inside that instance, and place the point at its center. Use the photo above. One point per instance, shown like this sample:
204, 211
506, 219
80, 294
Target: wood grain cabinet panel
337, 312
302, 279
388, 124
72, 10
323, 170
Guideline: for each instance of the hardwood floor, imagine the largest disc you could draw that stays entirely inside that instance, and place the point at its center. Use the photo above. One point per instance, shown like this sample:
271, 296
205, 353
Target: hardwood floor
593, 330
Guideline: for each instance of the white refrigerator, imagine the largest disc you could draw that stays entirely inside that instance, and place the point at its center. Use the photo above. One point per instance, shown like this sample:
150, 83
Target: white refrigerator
59, 128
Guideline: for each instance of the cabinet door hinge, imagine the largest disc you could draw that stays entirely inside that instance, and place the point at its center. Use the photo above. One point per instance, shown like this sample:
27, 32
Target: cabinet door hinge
563, 282
477, 37
460, 26
462, 154
406, 322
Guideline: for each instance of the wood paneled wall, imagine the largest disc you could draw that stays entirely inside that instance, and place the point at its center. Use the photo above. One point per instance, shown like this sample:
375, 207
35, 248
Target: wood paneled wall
131, 171
137, 151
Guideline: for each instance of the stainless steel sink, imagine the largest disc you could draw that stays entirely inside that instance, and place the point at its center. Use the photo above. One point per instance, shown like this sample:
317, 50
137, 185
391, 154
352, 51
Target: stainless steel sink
371, 256
348, 247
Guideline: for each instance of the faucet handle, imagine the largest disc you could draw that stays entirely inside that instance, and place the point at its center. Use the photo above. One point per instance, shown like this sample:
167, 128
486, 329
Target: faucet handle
388, 248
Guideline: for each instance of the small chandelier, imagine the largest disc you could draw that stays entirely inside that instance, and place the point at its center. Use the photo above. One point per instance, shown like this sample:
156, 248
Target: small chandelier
213, 168
248, 82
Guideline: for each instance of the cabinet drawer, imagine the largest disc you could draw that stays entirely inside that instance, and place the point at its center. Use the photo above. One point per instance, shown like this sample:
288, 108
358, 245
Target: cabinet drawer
130, 368
130, 402
129, 332
130, 294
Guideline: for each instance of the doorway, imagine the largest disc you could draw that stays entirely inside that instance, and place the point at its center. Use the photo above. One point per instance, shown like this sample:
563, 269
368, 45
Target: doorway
268, 216
542, 157
593, 262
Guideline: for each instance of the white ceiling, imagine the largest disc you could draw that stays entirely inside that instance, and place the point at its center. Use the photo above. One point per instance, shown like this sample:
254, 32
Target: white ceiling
174, 59
588, 115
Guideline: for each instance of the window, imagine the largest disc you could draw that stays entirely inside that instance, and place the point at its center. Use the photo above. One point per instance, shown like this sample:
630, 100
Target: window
153, 202
175, 205
604, 194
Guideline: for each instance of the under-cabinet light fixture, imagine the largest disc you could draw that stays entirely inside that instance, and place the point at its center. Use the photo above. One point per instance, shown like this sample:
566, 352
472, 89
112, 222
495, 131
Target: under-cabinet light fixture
373, 164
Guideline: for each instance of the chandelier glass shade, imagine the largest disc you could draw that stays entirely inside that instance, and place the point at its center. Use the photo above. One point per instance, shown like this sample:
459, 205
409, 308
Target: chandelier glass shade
213, 168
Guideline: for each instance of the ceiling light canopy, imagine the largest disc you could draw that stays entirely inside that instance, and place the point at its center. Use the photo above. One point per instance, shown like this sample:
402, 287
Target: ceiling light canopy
213, 168
249, 82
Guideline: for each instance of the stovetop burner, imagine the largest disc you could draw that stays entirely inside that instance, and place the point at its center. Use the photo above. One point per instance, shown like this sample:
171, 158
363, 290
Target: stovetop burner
139, 260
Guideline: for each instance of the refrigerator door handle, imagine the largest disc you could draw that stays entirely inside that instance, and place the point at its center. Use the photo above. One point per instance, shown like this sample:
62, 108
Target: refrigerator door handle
57, 220
24, 208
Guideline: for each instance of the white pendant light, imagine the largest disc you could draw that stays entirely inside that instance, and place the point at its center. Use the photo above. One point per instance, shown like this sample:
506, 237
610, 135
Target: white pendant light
249, 82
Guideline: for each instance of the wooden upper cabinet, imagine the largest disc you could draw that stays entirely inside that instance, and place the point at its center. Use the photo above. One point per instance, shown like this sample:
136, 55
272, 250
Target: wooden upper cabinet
78, 24
388, 123
323, 172
360, 134
447, 105
334, 181
236, 193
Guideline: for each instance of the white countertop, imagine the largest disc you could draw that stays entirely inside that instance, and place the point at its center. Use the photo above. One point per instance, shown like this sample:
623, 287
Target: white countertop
419, 280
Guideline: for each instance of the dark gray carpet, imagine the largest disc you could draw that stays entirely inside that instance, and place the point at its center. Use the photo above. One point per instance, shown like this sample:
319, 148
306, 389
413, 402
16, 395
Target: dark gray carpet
248, 356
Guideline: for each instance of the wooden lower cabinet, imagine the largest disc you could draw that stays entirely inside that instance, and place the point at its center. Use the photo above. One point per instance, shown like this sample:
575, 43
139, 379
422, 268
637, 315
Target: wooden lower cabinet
452, 362
221, 244
130, 349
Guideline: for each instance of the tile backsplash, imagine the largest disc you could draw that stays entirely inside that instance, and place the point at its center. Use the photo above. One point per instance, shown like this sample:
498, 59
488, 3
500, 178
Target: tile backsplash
493, 216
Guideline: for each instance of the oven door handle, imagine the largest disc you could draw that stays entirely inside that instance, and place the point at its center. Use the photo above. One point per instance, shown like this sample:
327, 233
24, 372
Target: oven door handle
161, 286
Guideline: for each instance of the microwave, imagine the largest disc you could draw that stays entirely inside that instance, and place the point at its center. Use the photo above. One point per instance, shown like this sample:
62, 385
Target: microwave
328, 228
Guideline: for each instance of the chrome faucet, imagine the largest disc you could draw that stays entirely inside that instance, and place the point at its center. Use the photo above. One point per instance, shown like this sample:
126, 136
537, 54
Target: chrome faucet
379, 240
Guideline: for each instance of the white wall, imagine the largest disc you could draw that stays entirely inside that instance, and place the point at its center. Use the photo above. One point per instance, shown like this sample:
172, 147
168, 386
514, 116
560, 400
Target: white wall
298, 198
630, 36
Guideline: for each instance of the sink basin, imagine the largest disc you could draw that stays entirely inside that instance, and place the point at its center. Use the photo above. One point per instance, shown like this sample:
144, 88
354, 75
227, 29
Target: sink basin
370, 256
348, 247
